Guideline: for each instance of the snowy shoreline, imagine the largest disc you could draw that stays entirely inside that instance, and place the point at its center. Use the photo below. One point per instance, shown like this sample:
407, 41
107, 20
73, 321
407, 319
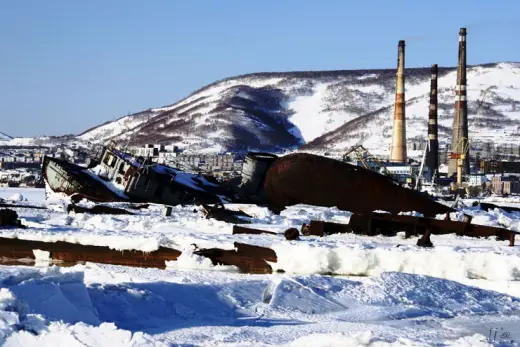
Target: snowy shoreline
389, 292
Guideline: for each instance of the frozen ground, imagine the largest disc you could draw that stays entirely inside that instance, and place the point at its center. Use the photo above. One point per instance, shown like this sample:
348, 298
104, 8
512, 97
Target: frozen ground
384, 291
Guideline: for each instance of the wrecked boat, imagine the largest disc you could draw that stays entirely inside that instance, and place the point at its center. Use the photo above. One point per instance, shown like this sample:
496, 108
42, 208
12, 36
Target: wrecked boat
276, 182
316, 180
121, 177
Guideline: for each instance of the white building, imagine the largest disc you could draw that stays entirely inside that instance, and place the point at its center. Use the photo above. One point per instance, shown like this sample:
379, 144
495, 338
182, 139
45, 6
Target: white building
477, 180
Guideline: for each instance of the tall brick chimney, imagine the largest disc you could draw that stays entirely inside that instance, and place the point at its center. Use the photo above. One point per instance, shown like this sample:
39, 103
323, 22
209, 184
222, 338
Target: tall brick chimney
432, 157
459, 139
398, 149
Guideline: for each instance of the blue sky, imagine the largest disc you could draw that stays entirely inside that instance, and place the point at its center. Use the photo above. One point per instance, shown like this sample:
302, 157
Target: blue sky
70, 65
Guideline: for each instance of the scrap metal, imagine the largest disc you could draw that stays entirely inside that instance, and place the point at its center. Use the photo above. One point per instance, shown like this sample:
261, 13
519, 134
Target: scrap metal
316, 180
487, 206
97, 209
389, 225
75, 253
219, 212
237, 229
248, 258
9, 218
291, 234
14, 205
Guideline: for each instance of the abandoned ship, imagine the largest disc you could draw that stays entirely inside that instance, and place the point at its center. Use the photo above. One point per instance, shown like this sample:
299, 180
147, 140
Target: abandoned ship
120, 177
276, 182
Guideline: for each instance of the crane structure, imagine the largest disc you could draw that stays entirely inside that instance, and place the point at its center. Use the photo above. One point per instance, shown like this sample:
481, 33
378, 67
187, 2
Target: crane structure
461, 149
362, 156
480, 105
463, 145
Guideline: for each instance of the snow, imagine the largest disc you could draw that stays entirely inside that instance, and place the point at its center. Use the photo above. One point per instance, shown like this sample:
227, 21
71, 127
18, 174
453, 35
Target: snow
307, 110
16, 197
4, 137
339, 290
31, 194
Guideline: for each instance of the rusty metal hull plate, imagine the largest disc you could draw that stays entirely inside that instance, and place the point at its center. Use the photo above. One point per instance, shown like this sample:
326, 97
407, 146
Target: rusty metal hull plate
315, 180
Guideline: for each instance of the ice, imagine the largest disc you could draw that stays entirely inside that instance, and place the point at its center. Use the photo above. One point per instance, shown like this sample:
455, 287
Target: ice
31, 194
16, 197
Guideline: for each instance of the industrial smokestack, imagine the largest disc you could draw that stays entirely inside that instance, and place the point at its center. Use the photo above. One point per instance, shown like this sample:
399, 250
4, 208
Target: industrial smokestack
432, 157
459, 139
398, 149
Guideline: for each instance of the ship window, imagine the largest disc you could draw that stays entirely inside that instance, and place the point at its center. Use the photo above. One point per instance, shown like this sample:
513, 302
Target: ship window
122, 168
106, 160
113, 162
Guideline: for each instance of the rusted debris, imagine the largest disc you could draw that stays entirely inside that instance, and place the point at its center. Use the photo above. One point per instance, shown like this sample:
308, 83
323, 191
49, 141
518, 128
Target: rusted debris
138, 206
315, 180
425, 241
389, 225
76, 253
97, 209
11, 205
292, 234
167, 211
254, 170
9, 218
248, 258
487, 206
256, 252
237, 229
319, 228
245, 263
220, 213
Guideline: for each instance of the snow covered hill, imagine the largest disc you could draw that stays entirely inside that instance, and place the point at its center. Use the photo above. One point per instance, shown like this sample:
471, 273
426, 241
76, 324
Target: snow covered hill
315, 111
4, 137
323, 110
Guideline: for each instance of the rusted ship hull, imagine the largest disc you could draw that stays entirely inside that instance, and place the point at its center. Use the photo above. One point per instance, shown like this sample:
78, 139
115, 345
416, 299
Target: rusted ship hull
61, 176
315, 180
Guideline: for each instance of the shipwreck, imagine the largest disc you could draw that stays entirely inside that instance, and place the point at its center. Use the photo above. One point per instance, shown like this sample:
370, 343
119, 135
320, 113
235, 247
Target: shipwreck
276, 182
118, 176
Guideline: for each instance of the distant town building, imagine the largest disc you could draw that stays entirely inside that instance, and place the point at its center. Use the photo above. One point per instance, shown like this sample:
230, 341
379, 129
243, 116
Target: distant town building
477, 180
505, 185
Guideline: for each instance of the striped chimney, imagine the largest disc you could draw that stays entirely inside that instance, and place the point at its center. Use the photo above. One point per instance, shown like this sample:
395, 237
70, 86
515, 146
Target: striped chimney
459, 139
432, 157
398, 149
